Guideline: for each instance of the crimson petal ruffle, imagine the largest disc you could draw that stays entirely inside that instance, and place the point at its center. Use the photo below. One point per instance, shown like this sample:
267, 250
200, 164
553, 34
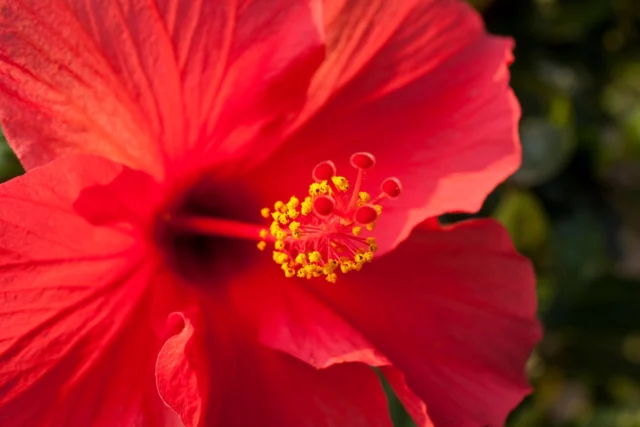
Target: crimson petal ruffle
247, 384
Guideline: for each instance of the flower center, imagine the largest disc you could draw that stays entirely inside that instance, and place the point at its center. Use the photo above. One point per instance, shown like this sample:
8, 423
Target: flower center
330, 230
327, 232
204, 230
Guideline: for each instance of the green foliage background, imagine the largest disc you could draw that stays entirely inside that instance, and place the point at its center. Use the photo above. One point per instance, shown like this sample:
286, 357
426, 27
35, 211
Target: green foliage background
574, 206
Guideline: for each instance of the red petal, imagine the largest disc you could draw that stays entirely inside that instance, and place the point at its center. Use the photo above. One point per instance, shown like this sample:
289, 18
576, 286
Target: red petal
145, 82
181, 375
283, 391
75, 342
454, 311
420, 85
289, 319
257, 386
412, 403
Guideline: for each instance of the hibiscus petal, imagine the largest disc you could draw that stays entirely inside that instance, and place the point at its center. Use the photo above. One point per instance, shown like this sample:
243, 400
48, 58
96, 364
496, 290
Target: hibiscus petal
75, 343
289, 319
181, 379
454, 311
259, 386
146, 82
412, 403
420, 85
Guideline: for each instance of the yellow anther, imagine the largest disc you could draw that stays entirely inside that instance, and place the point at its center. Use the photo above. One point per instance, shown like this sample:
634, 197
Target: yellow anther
346, 266
330, 267
279, 245
295, 229
281, 235
373, 247
274, 228
293, 202
332, 277
340, 182
288, 271
279, 205
364, 196
292, 213
262, 245
371, 226
301, 273
315, 256
301, 259
280, 257
358, 266
284, 220
275, 216
368, 256
359, 258
318, 189
356, 230
264, 233
370, 240
378, 209
265, 212
307, 206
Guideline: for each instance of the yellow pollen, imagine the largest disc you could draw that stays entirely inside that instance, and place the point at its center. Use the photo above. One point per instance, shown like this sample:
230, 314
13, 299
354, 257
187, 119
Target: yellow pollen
280, 257
318, 189
279, 245
340, 182
315, 256
295, 230
265, 212
307, 206
292, 213
262, 245
288, 271
346, 266
356, 231
264, 233
332, 277
364, 197
278, 205
293, 203
301, 259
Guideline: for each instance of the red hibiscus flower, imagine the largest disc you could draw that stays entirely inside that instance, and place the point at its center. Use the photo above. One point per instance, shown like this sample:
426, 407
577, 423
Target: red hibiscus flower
155, 132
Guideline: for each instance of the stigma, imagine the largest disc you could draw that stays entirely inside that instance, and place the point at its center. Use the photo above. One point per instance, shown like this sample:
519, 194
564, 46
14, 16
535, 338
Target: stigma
330, 230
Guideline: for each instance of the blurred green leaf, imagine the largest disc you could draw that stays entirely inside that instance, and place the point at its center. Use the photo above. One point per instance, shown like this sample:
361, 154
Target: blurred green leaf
546, 146
9, 164
523, 215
